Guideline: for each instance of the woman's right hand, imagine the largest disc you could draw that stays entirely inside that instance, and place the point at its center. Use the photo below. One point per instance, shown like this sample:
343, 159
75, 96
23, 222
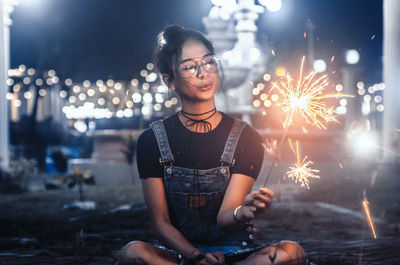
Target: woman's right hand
214, 258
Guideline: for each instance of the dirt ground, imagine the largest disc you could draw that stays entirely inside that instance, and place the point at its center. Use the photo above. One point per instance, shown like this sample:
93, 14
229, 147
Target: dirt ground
326, 220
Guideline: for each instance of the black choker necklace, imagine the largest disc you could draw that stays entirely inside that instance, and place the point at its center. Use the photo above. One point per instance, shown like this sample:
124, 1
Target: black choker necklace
199, 124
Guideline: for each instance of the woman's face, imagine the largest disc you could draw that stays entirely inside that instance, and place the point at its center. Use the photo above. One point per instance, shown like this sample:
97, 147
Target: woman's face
196, 73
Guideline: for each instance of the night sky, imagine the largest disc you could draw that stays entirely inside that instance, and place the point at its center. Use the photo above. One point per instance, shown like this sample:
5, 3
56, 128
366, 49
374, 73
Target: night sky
101, 39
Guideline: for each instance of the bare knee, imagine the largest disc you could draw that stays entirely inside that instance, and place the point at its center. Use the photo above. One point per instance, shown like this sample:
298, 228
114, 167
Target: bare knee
295, 253
134, 252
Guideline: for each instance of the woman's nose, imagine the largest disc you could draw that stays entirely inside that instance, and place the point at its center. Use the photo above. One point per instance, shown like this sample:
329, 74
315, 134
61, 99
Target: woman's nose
200, 71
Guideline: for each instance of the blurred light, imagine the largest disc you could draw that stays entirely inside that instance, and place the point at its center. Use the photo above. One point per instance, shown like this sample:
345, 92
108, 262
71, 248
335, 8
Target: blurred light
382, 86
134, 82
143, 73
110, 82
91, 92
80, 126
39, 82
129, 104
162, 89
51, 73
168, 103
128, 113
267, 77
365, 107
151, 77
86, 83
117, 86
255, 91
150, 66
82, 96
159, 98
72, 99
102, 89
17, 103
146, 110
319, 66
136, 97
101, 101
119, 113
352, 56
63, 94
343, 102
28, 94
76, 89
42, 92
99, 83
9, 96
371, 90
380, 108
22, 68
271, 5
339, 87
267, 103
10, 81
361, 91
17, 87
260, 86
341, 110
108, 114
254, 54
378, 99
263, 96
367, 98
49, 82
145, 86
364, 144
360, 84
274, 97
68, 82
174, 100
26, 80
157, 107
31, 71
280, 71
256, 103
147, 97
116, 100
10, 72
55, 79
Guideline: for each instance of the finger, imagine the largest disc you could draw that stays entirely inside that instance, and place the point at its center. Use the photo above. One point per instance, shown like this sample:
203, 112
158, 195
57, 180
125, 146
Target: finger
211, 259
221, 256
267, 192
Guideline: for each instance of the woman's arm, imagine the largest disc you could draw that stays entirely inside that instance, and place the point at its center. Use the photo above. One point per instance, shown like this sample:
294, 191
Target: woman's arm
238, 194
154, 194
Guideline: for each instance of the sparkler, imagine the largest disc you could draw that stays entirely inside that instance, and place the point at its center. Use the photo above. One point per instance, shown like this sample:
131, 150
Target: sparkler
366, 210
301, 171
306, 98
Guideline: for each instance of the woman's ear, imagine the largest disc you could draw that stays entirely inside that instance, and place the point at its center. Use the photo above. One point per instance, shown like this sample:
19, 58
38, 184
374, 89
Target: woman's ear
168, 81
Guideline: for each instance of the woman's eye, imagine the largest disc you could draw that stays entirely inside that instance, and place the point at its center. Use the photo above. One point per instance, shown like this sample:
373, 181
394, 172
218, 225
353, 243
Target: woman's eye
188, 67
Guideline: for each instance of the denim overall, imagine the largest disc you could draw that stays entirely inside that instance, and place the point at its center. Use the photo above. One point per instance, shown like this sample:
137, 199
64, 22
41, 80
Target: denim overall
195, 196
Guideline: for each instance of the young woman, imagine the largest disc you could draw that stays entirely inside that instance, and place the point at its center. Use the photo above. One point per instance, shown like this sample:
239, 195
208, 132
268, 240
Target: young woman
197, 169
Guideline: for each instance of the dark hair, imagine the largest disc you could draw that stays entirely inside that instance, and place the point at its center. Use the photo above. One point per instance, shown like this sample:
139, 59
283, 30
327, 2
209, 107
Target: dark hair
169, 47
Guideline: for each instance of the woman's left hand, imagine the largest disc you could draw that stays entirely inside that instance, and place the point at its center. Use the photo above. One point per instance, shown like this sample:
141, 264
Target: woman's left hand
256, 204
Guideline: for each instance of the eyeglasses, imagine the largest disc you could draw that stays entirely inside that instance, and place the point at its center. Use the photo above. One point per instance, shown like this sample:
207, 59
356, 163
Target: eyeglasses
188, 68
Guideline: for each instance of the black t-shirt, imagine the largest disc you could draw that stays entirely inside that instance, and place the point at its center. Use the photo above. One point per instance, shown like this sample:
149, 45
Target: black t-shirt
200, 150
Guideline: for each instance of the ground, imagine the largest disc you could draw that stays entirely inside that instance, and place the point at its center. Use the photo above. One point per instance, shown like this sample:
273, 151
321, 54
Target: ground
327, 220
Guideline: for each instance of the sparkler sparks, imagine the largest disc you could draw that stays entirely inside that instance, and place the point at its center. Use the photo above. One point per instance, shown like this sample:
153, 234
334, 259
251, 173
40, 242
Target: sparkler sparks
366, 210
306, 98
301, 171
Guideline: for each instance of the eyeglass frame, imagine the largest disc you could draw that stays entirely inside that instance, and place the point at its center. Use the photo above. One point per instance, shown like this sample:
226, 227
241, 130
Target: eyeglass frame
198, 65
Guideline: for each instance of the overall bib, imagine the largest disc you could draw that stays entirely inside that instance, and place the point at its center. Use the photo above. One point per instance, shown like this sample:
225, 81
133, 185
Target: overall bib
195, 196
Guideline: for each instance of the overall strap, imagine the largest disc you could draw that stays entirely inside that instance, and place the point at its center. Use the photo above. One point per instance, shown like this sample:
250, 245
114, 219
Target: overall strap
230, 146
162, 141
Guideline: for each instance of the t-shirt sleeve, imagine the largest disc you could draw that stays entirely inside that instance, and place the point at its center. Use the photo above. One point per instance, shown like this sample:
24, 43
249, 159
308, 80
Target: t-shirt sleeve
249, 153
147, 156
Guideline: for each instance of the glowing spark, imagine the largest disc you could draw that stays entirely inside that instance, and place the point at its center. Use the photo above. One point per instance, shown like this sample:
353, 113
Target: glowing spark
340, 165
373, 37
366, 210
305, 34
301, 171
273, 52
304, 130
305, 97
332, 58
